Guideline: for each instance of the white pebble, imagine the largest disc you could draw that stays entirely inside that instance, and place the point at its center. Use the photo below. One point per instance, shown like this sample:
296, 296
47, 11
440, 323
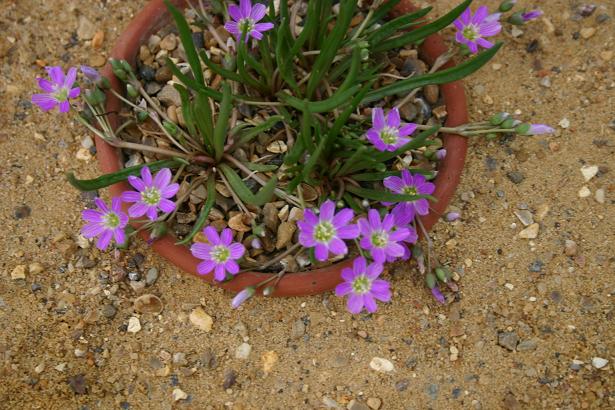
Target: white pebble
179, 394
509, 286
134, 325
564, 123
589, 171
243, 351
600, 196
599, 362
584, 192
381, 365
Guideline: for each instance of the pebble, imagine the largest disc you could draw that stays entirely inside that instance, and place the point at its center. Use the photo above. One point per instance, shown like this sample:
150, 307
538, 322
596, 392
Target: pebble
402, 385
98, 39
525, 217
584, 192
169, 42
381, 365
599, 362
330, 403
600, 195
357, 405
201, 320
541, 212
536, 266
564, 123
527, 345
109, 311
432, 391
151, 276
515, 177
148, 304
134, 325
570, 248
298, 329
97, 60
169, 96
269, 358
588, 32
40, 368
179, 394
530, 232
86, 29
19, 272
508, 340
229, 379
374, 403
589, 171
22, 211
576, 364
243, 351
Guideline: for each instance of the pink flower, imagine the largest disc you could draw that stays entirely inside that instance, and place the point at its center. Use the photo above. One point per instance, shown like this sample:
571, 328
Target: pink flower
363, 287
105, 223
389, 135
153, 194
219, 255
472, 29
58, 91
246, 20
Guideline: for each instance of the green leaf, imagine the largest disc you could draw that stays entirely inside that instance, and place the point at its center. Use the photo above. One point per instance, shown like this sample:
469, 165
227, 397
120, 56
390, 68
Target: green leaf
248, 134
243, 192
383, 10
203, 118
439, 77
119, 176
192, 84
245, 76
352, 203
331, 46
385, 196
185, 35
336, 100
424, 31
221, 128
255, 166
186, 108
205, 210
391, 27
218, 69
379, 176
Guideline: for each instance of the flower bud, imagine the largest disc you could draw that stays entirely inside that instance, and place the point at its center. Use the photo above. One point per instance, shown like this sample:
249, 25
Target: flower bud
256, 243
417, 251
258, 230
242, 296
142, 116
94, 96
229, 62
508, 123
516, 19
507, 5
435, 291
364, 54
159, 229
171, 127
118, 69
499, 118
268, 291
523, 129
452, 216
131, 91
491, 136
431, 280
441, 154
442, 274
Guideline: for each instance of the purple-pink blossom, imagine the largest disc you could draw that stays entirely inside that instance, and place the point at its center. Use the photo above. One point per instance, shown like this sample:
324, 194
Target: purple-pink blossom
105, 223
362, 286
246, 20
472, 29
327, 231
242, 296
409, 184
435, 291
382, 237
388, 135
219, 255
91, 74
153, 193
531, 15
58, 91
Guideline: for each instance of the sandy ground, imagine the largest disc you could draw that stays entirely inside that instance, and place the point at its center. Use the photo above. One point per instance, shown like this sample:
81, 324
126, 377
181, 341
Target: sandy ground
62, 346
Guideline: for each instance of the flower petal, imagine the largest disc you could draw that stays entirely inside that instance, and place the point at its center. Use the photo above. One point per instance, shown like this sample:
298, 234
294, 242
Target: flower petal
374, 219
71, 76
338, 246
169, 191
231, 267
355, 303
263, 27
407, 129
136, 182
200, 250
343, 289
101, 205
378, 118
246, 7
348, 274
64, 106
373, 270
220, 273
92, 229
152, 213
359, 266
327, 210
212, 235
137, 210
92, 215
370, 303
45, 101
235, 13
394, 183
258, 11
237, 250
226, 237
104, 239
119, 236
321, 252
343, 217
393, 119
131, 196
56, 74
381, 290
232, 27
348, 232
45, 85
481, 13
166, 205
205, 267
146, 176
162, 178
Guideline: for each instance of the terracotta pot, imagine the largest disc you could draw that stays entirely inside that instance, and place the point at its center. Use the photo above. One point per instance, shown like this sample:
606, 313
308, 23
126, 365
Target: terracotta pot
152, 18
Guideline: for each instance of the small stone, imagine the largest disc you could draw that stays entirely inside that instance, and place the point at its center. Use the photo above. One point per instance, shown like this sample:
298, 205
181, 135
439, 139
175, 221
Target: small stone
148, 304
589, 171
201, 320
40, 368
374, 403
269, 358
243, 351
357, 405
546, 82
525, 217
541, 212
169, 96
431, 93
151, 276
98, 39
179, 394
277, 147
163, 74
588, 32
570, 248
508, 340
432, 391
19, 272
600, 195
134, 325
285, 234
531, 232
97, 60
381, 365
509, 286
607, 55
169, 42
536, 266
77, 383
330, 403
270, 216
22, 211
599, 362
80, 353
515, 177
584, 192
109, 311
564, 123
402, 385
229, 379
527, 345
298, 329
576, 365
86, 29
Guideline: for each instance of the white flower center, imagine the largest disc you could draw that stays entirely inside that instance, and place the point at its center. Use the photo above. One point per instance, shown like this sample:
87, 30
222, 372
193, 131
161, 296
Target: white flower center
471, 32
111, 220
324, 231
409, 190
389, 135
246, 25
379, 239
151, 196
361, 285
220, 254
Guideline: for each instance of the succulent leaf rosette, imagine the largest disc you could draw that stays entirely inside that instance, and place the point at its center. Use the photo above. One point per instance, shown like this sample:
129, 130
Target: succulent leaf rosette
289, 144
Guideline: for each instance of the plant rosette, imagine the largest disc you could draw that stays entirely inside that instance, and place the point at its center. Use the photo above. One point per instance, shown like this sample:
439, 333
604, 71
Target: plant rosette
270, 153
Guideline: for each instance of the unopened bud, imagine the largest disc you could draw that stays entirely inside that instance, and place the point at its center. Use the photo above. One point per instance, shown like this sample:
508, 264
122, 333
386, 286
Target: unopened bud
159, 229
442, 274
142, 116
229, 62
516, 19
431, 280
508, 123
268, 291
499, 118
118, 69
507, 5
94, 96
242, 296
171, 127
131, 91
523, 129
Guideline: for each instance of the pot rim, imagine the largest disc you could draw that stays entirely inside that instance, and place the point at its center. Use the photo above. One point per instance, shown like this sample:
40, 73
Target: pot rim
152, 18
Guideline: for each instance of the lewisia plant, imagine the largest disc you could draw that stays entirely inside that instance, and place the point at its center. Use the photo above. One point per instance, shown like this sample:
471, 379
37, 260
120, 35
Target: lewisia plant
290, 148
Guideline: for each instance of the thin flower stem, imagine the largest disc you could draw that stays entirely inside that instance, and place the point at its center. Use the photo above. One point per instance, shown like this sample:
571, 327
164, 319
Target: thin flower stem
280, 256
364, 23
236, 198
429, 242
